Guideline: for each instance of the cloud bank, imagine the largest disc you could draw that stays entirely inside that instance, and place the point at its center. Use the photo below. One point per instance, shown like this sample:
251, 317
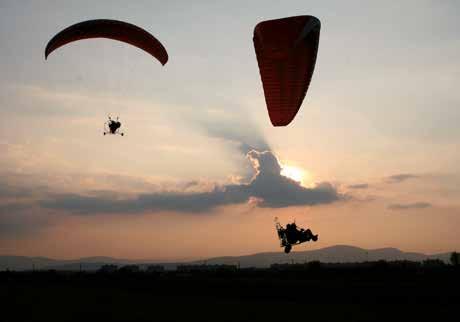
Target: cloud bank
397, 178
358, 186
268, 188
409, 206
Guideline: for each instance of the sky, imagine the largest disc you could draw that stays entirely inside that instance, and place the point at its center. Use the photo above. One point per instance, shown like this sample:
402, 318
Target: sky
370, 160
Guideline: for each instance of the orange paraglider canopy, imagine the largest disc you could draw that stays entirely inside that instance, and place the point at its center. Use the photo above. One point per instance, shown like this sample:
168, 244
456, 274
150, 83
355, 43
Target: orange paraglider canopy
286, 52
111, 29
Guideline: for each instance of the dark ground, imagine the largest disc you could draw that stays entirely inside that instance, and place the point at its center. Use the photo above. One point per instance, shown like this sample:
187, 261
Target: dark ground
314, 292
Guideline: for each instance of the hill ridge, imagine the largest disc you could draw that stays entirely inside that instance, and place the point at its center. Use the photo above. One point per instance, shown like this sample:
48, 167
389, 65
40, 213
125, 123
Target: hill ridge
336, 253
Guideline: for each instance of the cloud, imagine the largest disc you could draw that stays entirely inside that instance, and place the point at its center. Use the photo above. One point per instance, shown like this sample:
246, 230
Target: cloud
237, 131
359, 186
236, 127
248, 137
268, 187
400, 177
12, 207
8, 191
408, 206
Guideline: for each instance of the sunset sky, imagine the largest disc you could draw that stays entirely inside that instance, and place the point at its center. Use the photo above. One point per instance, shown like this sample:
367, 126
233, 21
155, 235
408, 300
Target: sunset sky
371, 159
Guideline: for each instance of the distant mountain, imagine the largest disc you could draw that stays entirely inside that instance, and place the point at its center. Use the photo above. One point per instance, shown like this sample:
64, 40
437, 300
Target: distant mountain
21, 263
333, 254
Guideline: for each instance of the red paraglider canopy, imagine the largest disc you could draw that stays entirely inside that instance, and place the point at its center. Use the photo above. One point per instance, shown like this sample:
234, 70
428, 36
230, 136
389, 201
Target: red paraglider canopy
111, 29
286, 52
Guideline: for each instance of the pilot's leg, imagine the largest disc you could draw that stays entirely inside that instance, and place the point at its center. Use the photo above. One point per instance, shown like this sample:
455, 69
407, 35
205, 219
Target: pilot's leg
312, 236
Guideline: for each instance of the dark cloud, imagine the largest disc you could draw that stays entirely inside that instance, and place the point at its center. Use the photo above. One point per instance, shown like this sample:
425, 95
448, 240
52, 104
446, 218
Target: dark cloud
401, 177
359, 186
190, 184
268, 187
408, 206
12, 208
8, 191
19, 214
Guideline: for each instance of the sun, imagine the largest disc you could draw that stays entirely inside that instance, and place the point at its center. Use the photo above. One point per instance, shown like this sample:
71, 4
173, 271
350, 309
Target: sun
293, 173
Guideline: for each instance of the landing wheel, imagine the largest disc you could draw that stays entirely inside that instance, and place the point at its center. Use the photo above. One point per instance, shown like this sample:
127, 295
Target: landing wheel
287, 249
105, 133
315, 238
122, 134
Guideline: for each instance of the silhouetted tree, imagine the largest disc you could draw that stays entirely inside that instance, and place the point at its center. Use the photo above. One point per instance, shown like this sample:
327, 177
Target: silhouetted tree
314, 266
433, 263
109, 268
155, 268
455, 258
381, 264
129, 269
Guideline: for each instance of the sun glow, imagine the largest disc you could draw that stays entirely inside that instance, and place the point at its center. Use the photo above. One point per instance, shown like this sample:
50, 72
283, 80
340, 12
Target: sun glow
293, 173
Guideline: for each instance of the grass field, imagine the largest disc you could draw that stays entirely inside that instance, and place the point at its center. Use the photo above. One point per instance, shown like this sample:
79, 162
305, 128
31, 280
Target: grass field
288, 294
